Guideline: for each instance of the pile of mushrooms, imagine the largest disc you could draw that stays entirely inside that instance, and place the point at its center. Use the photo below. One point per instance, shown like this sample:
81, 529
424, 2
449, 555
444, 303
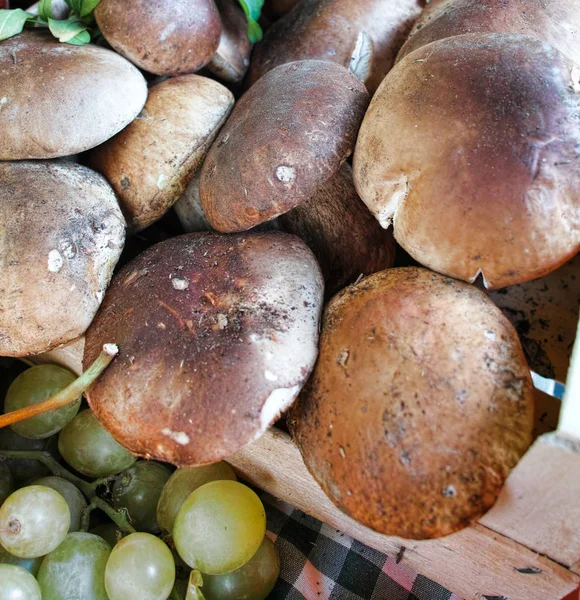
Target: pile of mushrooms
417, 400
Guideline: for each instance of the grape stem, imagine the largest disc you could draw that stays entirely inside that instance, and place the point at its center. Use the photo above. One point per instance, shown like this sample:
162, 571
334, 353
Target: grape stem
88, 489
70, 393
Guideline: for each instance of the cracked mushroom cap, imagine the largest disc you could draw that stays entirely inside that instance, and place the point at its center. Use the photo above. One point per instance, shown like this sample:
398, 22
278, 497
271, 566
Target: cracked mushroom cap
470, 148
332, 29
59, 99
217, 335
556, 22
62, 235
420, 404
150, 163
285, 138
164, 37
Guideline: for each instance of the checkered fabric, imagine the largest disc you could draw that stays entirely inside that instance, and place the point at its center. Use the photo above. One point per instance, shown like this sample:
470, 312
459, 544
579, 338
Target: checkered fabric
320, 563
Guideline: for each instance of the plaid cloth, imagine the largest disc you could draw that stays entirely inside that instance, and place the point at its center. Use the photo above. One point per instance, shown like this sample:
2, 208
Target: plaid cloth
320, 563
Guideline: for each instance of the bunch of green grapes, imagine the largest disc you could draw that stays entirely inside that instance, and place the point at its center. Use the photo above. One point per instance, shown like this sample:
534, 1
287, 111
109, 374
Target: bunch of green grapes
194, 532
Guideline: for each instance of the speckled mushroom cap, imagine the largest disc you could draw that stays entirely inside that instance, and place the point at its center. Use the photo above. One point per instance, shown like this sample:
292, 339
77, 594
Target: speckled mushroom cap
556, 22
62, 233
470, 147
58, 99
420, 404
165, 37
285, 137
150, 163
331, 29
217, 334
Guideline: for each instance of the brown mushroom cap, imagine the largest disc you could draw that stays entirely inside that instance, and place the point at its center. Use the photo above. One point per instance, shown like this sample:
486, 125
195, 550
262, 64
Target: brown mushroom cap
470, 147
556, 22
150, 163
58, 99
164, 37
232, 58
329, 30
420, 403
62, 234
217, 334
285, 137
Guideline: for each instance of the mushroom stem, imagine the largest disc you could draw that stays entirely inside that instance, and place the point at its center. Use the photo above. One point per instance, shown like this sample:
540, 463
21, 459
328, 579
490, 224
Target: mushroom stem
69, 394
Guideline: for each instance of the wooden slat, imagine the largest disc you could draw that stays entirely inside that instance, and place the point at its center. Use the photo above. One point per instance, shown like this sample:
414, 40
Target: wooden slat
473, 563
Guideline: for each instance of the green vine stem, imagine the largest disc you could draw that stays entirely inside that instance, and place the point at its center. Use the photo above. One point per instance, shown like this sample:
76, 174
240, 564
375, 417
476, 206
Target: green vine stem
88, 489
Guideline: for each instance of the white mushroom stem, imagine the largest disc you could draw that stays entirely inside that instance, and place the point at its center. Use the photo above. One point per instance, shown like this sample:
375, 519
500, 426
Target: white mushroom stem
570, 414
69, 394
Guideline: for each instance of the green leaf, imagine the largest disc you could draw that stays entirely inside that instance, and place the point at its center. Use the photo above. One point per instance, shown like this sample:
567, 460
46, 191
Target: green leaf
12, 22
88, 6
253, 9
45, 9
67, 29
84, 37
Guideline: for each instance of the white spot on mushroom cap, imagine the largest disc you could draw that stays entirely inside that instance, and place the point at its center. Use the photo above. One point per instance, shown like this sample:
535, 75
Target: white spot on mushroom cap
179, 283
575, 76
55, 261
286, 175
161, 181
490, 335
276, 403
270, 376
177, 436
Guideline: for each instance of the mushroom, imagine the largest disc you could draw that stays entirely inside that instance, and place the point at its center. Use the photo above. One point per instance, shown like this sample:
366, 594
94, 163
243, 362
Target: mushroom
556, 22
331, 30
343, 235
420, 403
284, 139
217, 334
231, 60
63, 233
58, 99
150, 163
163, 37
470, 148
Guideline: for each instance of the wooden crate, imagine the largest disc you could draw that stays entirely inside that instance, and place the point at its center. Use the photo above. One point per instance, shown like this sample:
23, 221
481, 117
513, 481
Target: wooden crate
526, 548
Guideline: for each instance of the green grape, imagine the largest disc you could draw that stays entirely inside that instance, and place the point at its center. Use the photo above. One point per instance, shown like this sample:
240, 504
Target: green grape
33, 521
254, 581
35, 385
23, 469
30, 564
71, 493
76, 569
219, 527
138, 489
181, 483
90, 449
140, 568
17, 583
6, 482
109, 532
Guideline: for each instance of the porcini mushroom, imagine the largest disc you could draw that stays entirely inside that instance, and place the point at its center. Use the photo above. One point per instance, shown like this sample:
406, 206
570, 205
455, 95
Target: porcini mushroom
420, 403
63, 233
59, 99
470, 147
332, 30
556, 22
284, 139
163, 37
150, 163
217, 334
232, 58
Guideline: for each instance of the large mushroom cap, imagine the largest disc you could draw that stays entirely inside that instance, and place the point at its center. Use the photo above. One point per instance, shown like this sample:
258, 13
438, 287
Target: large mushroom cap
58, 99
217, 334
470, 147
420, 404
150, 163
62, 234
165, 37
285, 137
556, 22
330, 30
